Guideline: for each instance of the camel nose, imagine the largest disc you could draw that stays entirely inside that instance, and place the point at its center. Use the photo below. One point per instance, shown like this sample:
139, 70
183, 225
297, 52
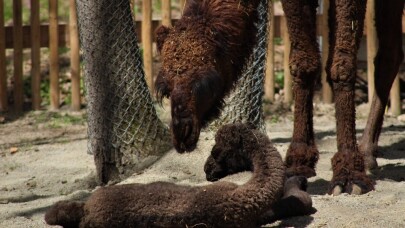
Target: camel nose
182, 128
180, 111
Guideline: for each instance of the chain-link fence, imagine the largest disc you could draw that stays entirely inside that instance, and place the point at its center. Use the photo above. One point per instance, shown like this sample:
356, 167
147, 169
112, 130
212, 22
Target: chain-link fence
244, 104
125, 133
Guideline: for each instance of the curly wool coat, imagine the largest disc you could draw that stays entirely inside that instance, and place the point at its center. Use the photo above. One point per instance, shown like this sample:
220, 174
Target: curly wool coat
202, 57
163, 204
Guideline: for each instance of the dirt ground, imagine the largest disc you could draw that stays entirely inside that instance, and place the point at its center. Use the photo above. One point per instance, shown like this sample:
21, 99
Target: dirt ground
43, 160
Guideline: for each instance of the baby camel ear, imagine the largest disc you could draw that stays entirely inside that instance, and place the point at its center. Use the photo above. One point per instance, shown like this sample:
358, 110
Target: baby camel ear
161, 34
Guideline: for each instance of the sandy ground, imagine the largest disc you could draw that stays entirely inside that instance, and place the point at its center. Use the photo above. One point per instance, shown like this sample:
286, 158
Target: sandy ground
44, 160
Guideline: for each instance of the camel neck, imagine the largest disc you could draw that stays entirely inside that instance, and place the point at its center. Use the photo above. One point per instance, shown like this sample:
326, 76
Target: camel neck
266, 184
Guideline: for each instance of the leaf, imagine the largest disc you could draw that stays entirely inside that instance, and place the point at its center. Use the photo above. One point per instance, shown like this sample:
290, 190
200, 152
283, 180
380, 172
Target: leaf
13, 150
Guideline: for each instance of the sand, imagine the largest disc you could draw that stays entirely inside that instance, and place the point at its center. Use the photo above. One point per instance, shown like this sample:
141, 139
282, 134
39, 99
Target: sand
51, 164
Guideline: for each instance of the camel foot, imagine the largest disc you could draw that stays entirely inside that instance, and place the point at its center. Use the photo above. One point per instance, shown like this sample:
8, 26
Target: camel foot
370, 162
370, 153
356, 184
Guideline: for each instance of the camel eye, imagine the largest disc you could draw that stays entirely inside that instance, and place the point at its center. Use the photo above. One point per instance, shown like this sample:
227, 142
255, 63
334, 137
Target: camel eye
215, 152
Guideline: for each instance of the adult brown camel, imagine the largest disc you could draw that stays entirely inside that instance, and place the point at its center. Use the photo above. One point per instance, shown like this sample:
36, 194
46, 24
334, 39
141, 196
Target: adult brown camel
202, 57
346, 21
205, 50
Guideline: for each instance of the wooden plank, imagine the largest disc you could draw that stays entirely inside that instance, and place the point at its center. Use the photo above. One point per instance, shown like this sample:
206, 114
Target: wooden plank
35, 56
327, 94
74, 57
53, 54
166, 13
63, 35
372, 46
147, 41
3, 73
269, 78
288, 93
182, 5
18, 56
395, 98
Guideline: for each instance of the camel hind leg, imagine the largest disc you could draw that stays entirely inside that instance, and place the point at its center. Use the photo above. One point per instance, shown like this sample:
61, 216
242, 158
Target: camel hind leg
305, 66
346, 24
387, 62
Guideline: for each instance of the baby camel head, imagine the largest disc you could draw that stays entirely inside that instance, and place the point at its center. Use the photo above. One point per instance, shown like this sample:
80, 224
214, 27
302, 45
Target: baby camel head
190, 80
229, 155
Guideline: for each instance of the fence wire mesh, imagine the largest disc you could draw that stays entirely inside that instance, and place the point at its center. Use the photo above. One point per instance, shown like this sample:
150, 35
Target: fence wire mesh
244, 104
125, 133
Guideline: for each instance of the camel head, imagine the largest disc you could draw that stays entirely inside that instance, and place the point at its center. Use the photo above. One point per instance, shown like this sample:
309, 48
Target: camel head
190, 79
229, 155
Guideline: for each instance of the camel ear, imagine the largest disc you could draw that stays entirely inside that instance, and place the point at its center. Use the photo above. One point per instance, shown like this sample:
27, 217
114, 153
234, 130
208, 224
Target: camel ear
162, 87
161, 34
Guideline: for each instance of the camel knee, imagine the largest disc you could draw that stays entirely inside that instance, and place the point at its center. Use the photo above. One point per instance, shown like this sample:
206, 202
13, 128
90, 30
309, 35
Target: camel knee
304, 65
343, 69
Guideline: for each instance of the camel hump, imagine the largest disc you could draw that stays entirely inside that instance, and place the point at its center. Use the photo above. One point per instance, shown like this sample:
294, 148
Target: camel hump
65, 213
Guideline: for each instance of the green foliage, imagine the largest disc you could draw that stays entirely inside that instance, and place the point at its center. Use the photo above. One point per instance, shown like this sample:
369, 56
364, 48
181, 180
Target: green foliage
45, 92
157, 6
279, 78
58, 120
274, 118
278, 40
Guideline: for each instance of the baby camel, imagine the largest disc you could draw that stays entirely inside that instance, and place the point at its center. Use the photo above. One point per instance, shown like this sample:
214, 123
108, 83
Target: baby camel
163, 204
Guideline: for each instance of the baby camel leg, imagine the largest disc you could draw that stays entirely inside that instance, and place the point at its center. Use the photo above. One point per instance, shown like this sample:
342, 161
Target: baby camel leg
302, 154
387, 62
346, 24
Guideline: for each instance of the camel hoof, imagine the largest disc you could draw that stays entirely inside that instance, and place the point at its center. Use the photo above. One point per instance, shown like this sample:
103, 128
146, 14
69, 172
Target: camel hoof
356, 190
337, 190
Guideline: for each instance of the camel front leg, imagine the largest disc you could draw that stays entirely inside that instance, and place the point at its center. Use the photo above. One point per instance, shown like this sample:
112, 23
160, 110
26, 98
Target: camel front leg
387, 62
346, 24
305, 66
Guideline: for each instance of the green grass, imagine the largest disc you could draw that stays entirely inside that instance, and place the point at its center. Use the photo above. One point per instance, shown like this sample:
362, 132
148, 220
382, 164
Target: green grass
58, 120
10, 166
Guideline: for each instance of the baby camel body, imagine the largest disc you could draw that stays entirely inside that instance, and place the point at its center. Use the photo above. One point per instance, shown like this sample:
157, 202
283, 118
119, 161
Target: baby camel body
162, 204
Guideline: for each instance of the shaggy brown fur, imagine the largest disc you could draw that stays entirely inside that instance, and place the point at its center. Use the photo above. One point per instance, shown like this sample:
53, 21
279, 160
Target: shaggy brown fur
295, 202
346, 21
346, 26
162, 204
202, 57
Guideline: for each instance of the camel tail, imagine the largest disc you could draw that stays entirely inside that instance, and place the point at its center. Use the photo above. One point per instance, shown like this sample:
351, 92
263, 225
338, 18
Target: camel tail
65, 213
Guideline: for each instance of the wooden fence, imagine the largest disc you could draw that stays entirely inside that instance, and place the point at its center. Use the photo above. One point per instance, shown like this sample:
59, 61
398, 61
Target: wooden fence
54, 35
34, 36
